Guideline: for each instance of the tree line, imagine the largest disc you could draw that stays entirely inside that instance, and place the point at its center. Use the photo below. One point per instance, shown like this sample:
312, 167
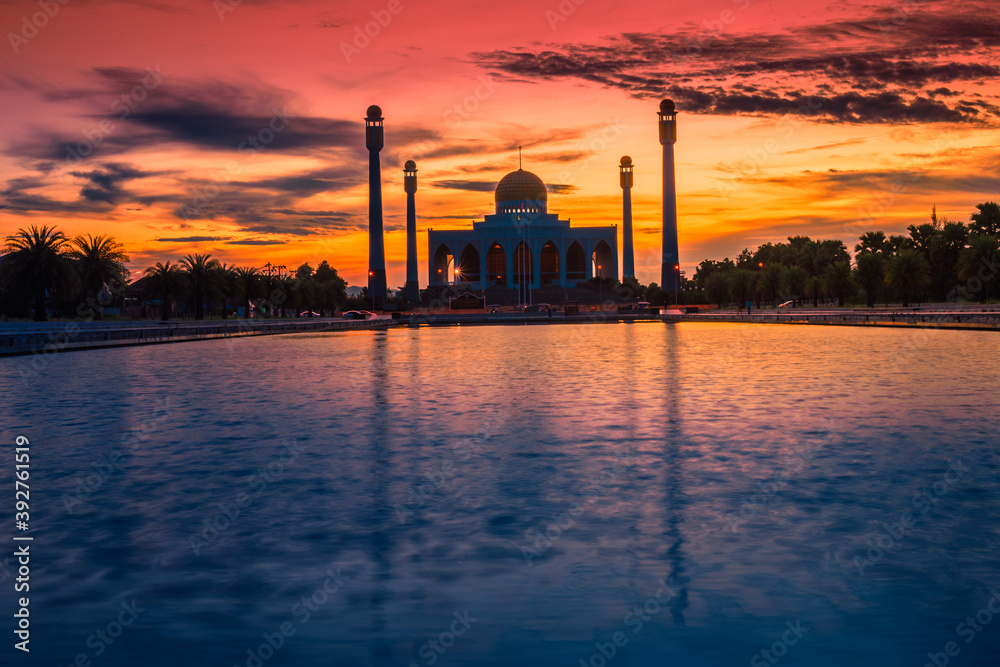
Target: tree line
43, 270
940, 260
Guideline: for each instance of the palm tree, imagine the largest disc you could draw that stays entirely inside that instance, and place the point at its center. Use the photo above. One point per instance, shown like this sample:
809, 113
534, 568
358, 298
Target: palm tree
871, 241
100, 261
35, 261
201, 272
837, 280
248, 281
907, 272
983, 252
897, 242
167, 279
987, 219
226, 285
870, 273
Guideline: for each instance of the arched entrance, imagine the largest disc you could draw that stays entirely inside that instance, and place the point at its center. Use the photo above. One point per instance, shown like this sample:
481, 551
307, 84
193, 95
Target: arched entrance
496, 265
468, 265
602, 260
576, 262
550, 263
442, 264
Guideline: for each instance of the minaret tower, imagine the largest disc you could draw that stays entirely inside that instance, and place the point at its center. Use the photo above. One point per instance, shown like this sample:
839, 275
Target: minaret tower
412, 288
376, 244
670, 271
628, 258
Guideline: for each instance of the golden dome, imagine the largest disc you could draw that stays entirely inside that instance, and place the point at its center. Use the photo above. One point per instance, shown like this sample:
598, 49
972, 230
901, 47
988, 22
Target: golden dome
520, 185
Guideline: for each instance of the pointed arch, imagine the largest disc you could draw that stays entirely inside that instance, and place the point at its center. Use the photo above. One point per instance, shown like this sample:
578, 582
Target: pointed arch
550, 263
442, 263
576, 262
602, 260
496, 264
468, 267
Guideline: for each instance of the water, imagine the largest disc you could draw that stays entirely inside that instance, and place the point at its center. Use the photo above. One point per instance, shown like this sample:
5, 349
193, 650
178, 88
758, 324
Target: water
697, 493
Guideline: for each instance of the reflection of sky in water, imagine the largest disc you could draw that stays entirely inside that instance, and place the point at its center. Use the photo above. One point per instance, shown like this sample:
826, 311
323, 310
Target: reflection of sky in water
430, 464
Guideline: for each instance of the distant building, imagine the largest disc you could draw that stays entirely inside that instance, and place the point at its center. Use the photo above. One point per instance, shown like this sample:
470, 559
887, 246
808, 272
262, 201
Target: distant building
522, 244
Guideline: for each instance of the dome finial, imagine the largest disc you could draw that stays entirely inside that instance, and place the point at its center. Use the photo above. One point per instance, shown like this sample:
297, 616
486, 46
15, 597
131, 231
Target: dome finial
519, 158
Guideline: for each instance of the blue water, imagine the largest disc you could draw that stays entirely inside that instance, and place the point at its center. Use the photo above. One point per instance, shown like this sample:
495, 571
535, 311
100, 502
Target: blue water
646, 494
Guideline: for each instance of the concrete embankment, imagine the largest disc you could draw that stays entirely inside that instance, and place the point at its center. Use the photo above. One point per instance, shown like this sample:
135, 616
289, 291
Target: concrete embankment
468, 319
959, 319
50, 337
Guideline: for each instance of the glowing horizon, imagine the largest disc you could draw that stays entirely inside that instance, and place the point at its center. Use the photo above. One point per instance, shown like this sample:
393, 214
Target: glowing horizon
794, 118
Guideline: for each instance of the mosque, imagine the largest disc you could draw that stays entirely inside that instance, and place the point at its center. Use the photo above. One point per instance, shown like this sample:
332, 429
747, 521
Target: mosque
521, 245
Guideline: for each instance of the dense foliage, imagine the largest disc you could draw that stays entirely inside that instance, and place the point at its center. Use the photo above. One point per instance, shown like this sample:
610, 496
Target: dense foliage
936, 261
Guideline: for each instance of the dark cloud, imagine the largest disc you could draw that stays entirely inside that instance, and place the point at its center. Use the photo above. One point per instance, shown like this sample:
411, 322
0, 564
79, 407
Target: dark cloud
460, 184
104, 184
869, 70
253, 211
189, 239
102, 191
310, 183
490, 186
255, 242
246, 117
838, 144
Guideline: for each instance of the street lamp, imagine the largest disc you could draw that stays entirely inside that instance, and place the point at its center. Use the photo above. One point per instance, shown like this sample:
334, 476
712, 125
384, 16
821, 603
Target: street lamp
677, 285
370, 274
600, 287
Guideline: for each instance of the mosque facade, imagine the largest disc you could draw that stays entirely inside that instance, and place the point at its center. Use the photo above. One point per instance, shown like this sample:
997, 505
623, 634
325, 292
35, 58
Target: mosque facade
521, 244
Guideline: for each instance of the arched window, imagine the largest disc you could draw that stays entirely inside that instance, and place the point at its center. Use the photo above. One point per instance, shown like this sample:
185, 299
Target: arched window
576, 262
496, 265
550, 263
468, 265
442, 265
602, 260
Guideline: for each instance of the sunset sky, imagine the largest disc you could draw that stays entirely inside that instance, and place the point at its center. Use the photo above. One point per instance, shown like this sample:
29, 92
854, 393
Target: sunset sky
795, 117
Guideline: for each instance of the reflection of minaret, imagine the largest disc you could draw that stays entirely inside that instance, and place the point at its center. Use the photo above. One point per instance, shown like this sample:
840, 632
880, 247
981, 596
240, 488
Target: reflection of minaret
670, 270
376, 244
675, 498
412, 288
628, 259
380, 518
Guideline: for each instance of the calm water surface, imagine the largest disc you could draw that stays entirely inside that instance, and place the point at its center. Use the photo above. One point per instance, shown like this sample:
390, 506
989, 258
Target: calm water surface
697, 493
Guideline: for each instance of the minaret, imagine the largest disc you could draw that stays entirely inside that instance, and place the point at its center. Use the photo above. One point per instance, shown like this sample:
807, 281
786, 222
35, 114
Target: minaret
412, 288
670, 270
376, 244
628, 259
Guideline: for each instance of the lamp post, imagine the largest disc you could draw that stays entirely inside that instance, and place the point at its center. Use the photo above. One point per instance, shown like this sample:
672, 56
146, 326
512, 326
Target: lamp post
600, 288
677, 285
